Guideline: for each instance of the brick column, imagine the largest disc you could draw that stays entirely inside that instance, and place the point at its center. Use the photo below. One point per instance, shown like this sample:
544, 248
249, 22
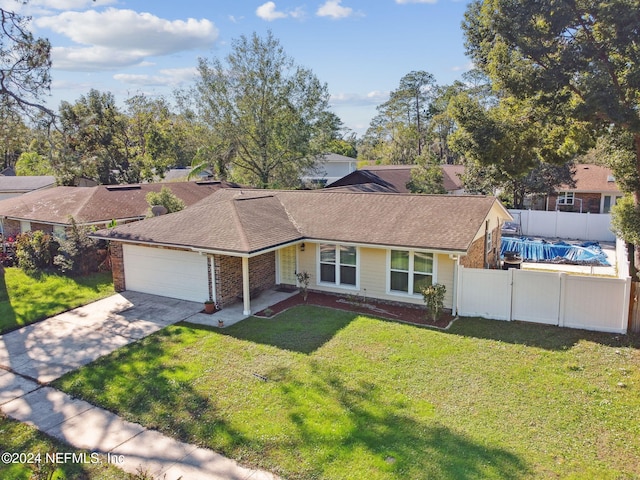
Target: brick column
117, 266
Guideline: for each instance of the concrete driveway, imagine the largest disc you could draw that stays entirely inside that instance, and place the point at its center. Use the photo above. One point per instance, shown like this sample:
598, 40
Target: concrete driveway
39, 353
47, 350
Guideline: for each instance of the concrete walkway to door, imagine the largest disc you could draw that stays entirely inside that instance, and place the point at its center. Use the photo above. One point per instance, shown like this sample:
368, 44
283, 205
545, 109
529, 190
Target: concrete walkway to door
39, 353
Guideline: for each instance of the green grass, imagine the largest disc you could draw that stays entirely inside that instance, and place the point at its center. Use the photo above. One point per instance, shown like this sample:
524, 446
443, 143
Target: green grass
352, 397
16, 437
25, 299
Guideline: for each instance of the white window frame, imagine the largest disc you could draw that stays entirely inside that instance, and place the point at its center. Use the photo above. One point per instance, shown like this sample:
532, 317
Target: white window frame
411, 272
337, 264
566, 198
489, 241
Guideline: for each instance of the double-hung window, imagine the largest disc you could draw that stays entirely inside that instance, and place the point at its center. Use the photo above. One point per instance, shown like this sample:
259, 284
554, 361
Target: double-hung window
409, 271
339, 264
566, 198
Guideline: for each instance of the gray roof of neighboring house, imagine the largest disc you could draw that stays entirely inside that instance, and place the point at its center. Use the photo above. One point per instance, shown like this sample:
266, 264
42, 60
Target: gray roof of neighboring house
98, 204
249, 221
12, 184
394, 178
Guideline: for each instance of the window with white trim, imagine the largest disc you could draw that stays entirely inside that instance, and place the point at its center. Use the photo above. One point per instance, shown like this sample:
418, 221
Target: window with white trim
338, 264
409, 270
565, 198
489, 241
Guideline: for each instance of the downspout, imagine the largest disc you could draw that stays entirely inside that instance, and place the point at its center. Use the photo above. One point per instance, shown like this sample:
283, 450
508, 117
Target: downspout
484, 246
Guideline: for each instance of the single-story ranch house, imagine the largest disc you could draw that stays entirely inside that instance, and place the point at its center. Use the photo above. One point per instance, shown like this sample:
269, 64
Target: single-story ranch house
236, 243
50, 210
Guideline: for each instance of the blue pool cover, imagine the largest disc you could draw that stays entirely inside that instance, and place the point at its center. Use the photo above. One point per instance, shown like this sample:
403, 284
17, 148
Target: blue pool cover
587, 253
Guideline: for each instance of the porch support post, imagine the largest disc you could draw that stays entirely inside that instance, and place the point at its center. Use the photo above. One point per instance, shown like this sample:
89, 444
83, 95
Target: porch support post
246, 289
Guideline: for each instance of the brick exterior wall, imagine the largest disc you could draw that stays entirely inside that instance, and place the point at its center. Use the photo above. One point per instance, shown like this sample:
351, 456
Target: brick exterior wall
475, 255
590, 203
228, 275
11, 228
117, 266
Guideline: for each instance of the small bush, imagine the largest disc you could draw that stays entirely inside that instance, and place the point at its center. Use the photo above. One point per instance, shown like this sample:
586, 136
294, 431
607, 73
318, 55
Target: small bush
35, 251
303, 280
434, 299
77, 254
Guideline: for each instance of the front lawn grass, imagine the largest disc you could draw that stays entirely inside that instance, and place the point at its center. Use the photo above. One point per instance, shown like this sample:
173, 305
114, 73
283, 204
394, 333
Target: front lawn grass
323, 394
33, 446
25, 299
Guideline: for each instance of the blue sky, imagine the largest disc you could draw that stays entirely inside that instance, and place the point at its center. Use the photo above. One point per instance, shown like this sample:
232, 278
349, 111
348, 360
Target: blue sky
360, 48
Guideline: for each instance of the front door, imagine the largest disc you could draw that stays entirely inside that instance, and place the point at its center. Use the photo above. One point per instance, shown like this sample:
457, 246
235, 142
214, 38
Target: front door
288, 266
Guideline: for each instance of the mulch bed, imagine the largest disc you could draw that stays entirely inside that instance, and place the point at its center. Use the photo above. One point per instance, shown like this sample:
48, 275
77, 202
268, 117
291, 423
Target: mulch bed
413, 315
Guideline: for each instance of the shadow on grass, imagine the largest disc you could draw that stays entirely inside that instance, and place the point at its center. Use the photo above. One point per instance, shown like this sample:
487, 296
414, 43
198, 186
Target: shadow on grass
8, 318
385, 434
138, 383
548, 337
302, 329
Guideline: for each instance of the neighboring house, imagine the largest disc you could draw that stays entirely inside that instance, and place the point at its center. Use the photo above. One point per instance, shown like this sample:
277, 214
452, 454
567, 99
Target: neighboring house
394, 179
330, 167
234, 244
596, 191
50, 210
12, 186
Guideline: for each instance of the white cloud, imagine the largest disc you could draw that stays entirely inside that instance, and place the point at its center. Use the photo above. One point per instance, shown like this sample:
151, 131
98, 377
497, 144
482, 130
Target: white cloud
375, 97
166, 77
268, 12
116, 38
333, 9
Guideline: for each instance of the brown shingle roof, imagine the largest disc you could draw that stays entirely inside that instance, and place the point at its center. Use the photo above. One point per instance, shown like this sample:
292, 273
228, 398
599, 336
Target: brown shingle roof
253, 220
97, 204
592, 178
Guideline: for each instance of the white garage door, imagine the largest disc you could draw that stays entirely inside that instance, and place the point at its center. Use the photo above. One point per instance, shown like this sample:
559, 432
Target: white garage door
169, 273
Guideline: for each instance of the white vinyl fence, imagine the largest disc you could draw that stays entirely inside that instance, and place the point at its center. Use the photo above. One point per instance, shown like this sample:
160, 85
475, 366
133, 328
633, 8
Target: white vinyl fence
568, 225
554, 298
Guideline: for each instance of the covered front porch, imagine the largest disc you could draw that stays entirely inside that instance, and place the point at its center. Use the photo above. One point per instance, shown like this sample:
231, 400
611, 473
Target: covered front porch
237, 312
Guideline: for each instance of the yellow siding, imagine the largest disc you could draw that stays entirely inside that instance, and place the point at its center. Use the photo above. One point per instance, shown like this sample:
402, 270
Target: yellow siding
373, 275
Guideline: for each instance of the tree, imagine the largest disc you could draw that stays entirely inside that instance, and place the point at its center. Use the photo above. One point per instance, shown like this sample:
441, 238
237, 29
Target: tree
264, 109
427, 177
32, 163
514, 138
166, 198
94, 142
77, 252
397, 133
24, 66
579, 60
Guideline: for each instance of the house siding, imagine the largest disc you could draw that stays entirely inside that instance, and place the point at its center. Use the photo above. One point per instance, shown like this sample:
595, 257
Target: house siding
590, 203
373, 276
475, 256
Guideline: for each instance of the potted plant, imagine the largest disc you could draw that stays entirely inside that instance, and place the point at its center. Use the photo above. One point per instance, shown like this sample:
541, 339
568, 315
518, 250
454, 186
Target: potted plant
209, 306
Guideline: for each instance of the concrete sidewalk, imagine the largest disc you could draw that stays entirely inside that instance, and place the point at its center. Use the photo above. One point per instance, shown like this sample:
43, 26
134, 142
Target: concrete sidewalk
130, 446
39, 353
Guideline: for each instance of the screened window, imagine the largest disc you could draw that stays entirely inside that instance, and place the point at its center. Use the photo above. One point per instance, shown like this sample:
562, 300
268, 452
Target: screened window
408, 271
338, 264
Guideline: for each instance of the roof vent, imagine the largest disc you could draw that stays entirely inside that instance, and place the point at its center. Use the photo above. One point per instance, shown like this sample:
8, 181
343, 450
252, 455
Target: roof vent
611, 178
158, 210
122, 187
